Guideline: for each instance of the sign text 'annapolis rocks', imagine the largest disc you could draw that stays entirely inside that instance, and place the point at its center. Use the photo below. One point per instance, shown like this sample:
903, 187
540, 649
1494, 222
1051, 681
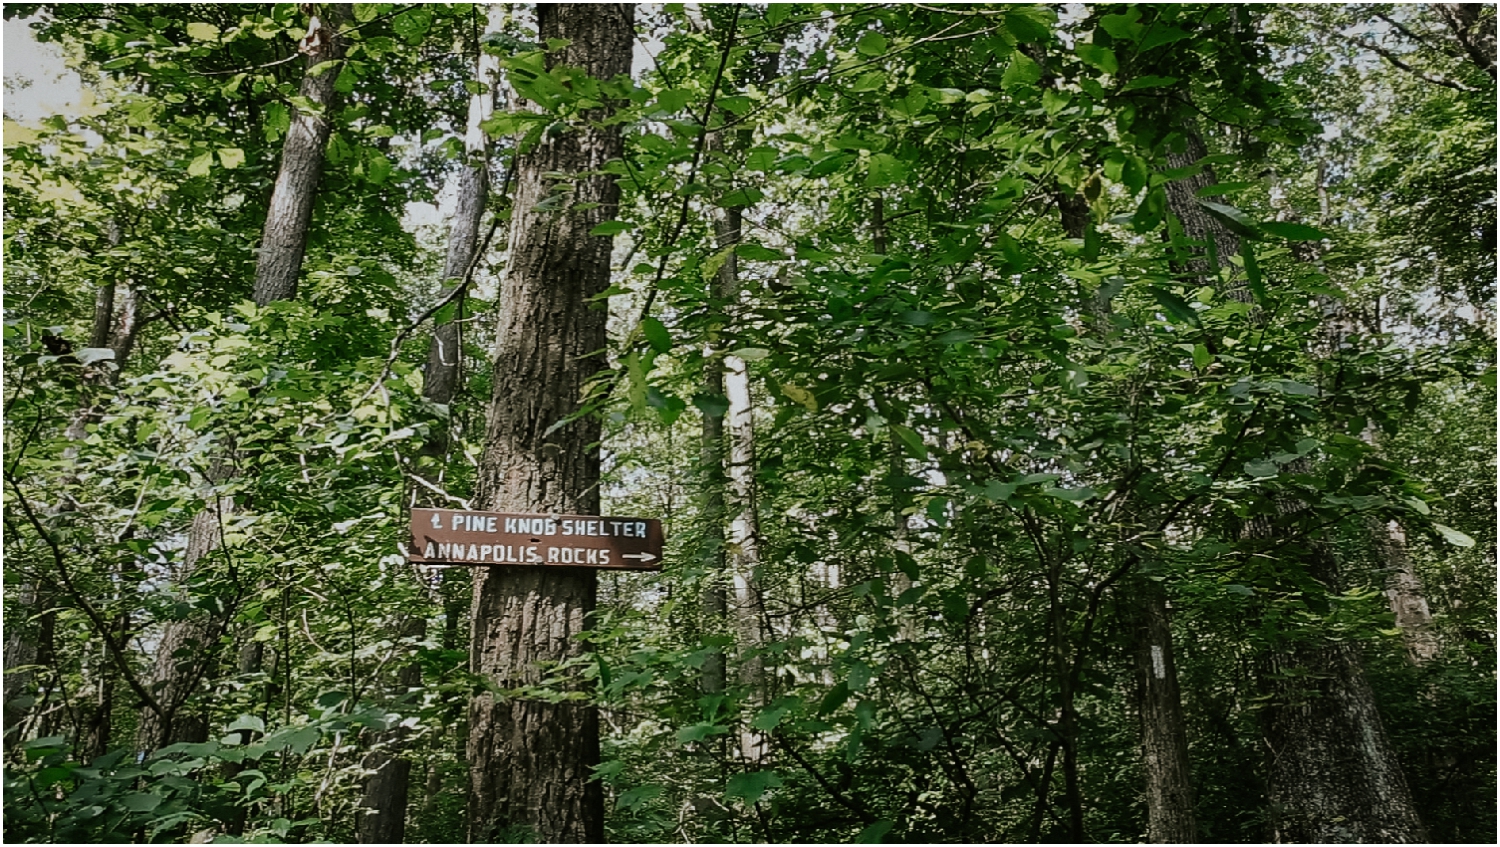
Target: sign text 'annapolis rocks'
449, 536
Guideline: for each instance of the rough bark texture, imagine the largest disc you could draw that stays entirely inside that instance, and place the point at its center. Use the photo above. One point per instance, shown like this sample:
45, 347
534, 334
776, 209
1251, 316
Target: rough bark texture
1404, 591
1473, 27
284, 238
187, 646
440, 379
22, 640
1332, 775
382, 813
1164, 746
530, 761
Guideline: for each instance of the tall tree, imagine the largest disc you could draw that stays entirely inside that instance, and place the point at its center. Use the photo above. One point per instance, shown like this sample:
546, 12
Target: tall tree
383, 808
531, 760
186, 651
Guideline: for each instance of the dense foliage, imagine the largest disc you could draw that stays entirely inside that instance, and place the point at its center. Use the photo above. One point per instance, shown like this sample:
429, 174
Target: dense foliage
1002, 396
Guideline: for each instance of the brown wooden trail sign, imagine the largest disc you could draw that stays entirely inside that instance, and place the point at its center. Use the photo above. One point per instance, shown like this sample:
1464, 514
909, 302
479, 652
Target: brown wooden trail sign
450, 536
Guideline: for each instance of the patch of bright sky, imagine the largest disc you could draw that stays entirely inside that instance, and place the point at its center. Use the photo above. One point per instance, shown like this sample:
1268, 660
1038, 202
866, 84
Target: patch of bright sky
38, 82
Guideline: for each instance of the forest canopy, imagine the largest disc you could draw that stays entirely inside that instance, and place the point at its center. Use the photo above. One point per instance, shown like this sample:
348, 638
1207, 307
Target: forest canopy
1068, 422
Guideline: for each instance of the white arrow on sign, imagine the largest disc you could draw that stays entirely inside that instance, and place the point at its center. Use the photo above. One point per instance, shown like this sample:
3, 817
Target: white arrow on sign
644, 557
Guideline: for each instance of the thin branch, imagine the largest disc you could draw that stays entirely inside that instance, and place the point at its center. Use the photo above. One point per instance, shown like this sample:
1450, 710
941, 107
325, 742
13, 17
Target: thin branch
1391, 57
116, 650
682, 212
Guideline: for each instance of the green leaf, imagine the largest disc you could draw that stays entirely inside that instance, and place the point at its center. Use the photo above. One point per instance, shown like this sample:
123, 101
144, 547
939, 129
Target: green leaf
1293, 231
378, 167
751, 354
874, 833
885, 170
90, 355
859, 676
699, 731
1074, 495
1453, 536
303, 740
1125, 25
1158, 35
800, 395
713, 405
1099, 57
656, 334
1252, 273
1202, 358
872, 81
673, 99
998, 491
412, 24
750, 787
1238, 222
140, 801
956, 336
637, 796
1261, 469
199, 31
758, 253
769, 719
1027, 29
741, 197
912, 440
251, 722
231, 157
1175, 306
1144, 82
871, 44
1021, 72
835, 698
611, 228
200, 165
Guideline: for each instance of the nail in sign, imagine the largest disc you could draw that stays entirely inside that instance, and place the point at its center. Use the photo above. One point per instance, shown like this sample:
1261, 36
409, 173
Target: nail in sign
450, 536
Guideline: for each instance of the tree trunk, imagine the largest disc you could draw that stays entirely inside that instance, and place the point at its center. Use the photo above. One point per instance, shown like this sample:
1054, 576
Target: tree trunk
185, 652
1164, 747
749, 610
715, 597
531, 761
382, 812
188, 647
1404, 591
284, 238
382, 815
1332, 775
